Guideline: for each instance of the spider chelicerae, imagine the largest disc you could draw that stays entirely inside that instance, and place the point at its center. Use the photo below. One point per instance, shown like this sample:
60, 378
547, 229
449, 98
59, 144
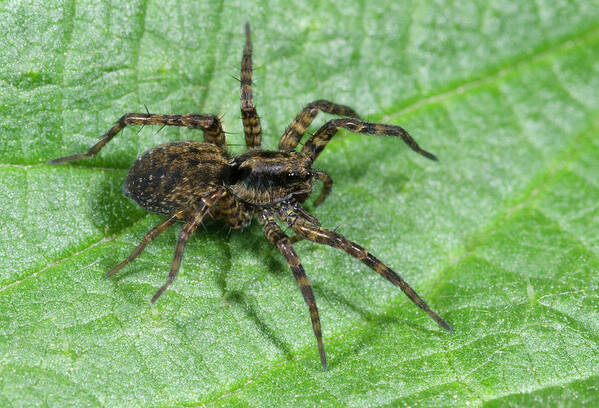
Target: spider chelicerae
192, 180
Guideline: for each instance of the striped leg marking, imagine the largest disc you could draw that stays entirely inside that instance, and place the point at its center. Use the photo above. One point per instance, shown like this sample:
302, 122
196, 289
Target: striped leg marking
188, 228
296, 129
278, 238
327, 186
210, 124
251, 122
149, 237
322, 136
233, 212
322, 235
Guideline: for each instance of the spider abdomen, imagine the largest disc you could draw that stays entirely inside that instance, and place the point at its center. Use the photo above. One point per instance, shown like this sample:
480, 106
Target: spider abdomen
175, 175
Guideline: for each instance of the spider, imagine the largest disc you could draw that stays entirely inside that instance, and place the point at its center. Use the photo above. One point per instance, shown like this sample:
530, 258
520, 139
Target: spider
192, 180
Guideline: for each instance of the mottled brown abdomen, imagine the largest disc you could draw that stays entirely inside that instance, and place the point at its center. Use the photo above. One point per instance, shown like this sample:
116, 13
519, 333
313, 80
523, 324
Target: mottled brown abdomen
176, 175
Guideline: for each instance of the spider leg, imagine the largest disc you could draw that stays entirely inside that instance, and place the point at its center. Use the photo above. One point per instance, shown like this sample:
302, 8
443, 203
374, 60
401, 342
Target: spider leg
295, 238
298, 126
188, 228
315, 144
210, 124
309, 217
233, 212
278, 238
149, 237
327, 185
318, 234
251, 122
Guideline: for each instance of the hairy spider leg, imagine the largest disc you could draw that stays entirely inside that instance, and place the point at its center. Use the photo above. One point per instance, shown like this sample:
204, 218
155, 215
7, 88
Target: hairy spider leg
296, 129
318, 141
278, 238
326, 189
320, 235
150, 236
251, 122
327, 186
188, 228
210, 124
233, 212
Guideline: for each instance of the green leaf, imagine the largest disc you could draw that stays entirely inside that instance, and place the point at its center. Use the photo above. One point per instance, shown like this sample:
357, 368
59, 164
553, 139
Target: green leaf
500, 236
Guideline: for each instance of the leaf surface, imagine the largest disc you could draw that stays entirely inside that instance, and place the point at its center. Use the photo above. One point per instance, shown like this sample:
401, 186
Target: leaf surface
500, 236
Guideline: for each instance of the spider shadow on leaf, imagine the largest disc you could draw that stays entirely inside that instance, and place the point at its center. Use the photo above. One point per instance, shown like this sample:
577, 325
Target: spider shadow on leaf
210, 233
109, 209
334, 296
239, 299
364, 169
111, 212
378, 324
253, 244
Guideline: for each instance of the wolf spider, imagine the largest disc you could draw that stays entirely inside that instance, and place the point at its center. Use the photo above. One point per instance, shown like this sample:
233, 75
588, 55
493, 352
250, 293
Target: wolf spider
191, 180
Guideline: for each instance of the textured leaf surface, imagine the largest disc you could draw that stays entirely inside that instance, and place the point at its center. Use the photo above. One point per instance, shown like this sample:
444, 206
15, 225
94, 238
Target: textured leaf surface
500, 236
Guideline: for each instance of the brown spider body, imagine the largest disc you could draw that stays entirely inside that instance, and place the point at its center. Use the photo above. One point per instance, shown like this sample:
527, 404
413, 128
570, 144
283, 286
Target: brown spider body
175, 175
178, 175
188, 181
264, 178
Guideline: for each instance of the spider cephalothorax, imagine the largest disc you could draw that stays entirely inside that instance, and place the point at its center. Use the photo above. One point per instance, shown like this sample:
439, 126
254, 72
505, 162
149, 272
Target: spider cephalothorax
191, 180
266, 177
